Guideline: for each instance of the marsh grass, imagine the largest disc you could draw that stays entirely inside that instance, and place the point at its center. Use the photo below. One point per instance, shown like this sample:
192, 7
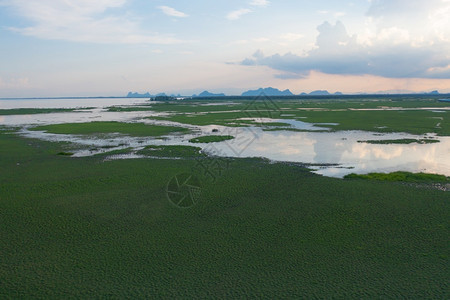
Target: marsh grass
33, 111
340, 111
211, 139
90, 228
129, 109
401, 176
171, 151
401, 141
106, 229
92, 128
65, 153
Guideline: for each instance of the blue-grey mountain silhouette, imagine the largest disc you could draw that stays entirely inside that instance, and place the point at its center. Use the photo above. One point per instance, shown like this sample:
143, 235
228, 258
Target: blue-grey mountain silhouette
267, 91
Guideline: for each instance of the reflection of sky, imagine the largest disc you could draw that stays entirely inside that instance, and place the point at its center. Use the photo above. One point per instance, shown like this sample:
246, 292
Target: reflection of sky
340, 148
76, 117
343, 148
69, 103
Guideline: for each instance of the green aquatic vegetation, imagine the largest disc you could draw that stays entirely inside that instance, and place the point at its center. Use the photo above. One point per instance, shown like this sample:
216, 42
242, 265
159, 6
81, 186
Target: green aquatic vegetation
276, 124
171, 151
415, 122
196, 106
333, 102
401, 176
8, 129
91, 228
113, 146
342, 111
401, 141
62, 153
225, 119
129, 109
116, 152
291, 129
211, 139
32, 111
92, 128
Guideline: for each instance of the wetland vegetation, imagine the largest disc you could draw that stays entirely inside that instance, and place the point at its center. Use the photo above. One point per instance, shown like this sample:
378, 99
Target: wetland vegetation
85, 227
377, 115
32, 111
401, 141
211, 139
92, 128
401, 176
171, 151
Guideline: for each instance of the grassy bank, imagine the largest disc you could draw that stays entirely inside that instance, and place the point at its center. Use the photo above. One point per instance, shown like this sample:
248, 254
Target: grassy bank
84, 228
132, 129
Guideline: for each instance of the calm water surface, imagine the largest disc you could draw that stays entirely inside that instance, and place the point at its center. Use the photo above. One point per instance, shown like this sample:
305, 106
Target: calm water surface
340, 153
69, 103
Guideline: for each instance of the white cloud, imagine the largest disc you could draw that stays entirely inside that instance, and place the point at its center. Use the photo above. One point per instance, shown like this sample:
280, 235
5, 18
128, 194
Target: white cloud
424, 19
291, 37
394, 35
237, 14
172, 12
400, 39
82, 21
337, 52
260, 3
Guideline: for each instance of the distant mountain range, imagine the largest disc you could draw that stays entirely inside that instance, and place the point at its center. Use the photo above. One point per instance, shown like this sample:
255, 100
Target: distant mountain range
137, 95
148, 95
268, 92
321, 93
208, 94
400, 92
276, 92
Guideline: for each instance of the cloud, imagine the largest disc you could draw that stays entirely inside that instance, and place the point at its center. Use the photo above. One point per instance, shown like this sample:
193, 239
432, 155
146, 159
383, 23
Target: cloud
237, 14
335, 14
422, 18
82, 21
260, 3
172, 12
291, 37
337, 52
390, 8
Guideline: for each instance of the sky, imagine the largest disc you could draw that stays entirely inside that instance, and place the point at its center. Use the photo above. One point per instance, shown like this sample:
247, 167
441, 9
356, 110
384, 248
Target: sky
51, 48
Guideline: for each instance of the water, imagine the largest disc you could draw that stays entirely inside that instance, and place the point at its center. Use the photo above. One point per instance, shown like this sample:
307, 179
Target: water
70, 103
342, 148
331, 153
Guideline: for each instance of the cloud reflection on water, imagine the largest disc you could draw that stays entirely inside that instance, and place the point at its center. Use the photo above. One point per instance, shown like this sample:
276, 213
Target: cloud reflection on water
343, 148
310, 147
